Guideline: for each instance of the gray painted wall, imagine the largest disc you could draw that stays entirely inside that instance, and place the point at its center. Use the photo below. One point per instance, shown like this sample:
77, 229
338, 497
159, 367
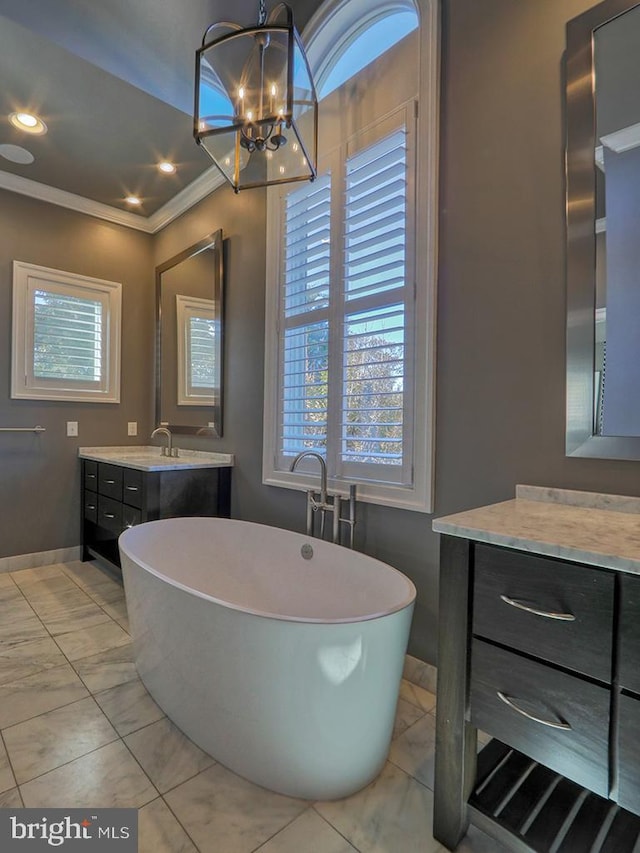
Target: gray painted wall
501, 338
40, 475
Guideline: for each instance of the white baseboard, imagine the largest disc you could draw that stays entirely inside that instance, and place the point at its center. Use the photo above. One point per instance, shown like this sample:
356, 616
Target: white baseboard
40, 558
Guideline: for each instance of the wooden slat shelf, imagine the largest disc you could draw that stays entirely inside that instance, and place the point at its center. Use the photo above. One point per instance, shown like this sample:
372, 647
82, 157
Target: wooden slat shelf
535, 809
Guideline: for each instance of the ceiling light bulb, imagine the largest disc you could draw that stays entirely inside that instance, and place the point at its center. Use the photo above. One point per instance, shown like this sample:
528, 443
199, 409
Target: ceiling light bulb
132, 199
167, 167
28, 122
241, 92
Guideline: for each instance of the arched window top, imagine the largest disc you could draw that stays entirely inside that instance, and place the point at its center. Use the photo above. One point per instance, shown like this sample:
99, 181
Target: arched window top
345, 35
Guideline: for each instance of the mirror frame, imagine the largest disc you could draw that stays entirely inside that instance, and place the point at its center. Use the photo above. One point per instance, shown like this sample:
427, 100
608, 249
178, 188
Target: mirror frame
211, 241
581, 238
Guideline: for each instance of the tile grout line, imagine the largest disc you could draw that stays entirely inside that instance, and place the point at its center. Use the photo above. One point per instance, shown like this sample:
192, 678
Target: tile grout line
91, 695
335, 829
13, 772
175, 817
282, 829
179, 822
52, 636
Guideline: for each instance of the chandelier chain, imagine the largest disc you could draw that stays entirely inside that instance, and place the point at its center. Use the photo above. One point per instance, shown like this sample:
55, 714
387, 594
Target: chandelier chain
262, 14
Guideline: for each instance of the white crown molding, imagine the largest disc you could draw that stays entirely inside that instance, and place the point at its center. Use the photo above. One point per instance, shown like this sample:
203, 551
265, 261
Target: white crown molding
206, 183
203, 186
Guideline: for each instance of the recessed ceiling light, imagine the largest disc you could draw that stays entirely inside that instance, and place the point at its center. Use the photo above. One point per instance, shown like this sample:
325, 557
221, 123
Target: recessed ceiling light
133, 199
167, 167
16, 154
28, 122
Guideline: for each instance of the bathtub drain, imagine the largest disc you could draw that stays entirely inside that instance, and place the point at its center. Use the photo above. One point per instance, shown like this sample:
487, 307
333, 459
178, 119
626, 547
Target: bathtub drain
306, 551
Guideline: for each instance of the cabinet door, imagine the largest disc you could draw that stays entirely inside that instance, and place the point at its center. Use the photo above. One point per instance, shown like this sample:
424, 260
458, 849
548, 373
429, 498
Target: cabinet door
130, 516
629, 657
560, 720
554, 610
629, 753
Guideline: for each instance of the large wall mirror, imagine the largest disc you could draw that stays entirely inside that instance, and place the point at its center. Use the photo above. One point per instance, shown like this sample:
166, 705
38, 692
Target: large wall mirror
189, 341
603, 232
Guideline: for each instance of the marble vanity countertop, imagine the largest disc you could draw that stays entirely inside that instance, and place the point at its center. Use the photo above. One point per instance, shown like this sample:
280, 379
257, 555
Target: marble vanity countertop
586, 527
148, 458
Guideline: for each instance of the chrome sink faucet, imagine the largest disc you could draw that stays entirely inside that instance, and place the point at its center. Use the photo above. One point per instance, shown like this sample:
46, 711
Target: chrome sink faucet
326, 502
168, 450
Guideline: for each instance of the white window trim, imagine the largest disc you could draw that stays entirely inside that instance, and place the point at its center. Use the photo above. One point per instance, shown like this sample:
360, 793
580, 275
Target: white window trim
328, 23
24, 386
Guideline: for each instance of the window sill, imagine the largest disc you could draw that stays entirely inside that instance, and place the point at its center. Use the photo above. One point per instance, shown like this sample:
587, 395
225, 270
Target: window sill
398, 497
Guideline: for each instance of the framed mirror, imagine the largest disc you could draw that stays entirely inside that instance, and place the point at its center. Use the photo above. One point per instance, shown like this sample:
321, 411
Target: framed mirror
603, 232
189, 339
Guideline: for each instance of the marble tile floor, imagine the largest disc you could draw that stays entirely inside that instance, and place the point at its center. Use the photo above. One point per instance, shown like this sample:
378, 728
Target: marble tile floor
78, 728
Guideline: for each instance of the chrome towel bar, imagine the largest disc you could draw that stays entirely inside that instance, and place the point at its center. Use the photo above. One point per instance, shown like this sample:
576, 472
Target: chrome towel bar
37, 429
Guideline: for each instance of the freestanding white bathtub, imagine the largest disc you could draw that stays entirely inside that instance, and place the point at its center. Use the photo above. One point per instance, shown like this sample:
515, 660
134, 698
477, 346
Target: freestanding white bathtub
284, 669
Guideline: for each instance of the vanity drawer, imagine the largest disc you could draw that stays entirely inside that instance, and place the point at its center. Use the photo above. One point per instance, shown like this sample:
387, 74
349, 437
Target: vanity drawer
629, 754
110, 514
91, 506
629, 657
130, 516
110, 481
553, 697
507, 581
91, 475
132, 487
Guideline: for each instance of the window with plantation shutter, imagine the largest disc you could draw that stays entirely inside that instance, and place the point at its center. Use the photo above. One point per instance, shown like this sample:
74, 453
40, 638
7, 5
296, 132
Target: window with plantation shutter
377, 326
66, 336
349, 345
346, 312
305, 305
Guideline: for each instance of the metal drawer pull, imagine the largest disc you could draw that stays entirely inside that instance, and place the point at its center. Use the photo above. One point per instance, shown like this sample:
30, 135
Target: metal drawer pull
551, 723
562, 617
110, 482
131, 488
108, 515
91, 476
91, 506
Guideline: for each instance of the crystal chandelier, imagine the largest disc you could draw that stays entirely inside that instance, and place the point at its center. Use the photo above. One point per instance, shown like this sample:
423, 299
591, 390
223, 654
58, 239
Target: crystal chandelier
256, 110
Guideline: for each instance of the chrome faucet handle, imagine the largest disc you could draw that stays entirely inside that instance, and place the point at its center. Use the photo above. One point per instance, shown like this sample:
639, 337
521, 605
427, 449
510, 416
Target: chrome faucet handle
336, 519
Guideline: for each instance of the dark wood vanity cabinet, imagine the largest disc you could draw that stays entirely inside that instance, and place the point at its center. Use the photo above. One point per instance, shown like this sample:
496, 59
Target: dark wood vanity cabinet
543, 655
115, 497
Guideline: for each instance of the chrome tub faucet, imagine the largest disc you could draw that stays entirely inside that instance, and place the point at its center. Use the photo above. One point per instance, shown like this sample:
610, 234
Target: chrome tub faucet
325, 502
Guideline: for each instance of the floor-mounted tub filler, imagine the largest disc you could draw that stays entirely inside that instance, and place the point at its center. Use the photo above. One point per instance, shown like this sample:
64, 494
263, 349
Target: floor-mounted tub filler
279, 655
